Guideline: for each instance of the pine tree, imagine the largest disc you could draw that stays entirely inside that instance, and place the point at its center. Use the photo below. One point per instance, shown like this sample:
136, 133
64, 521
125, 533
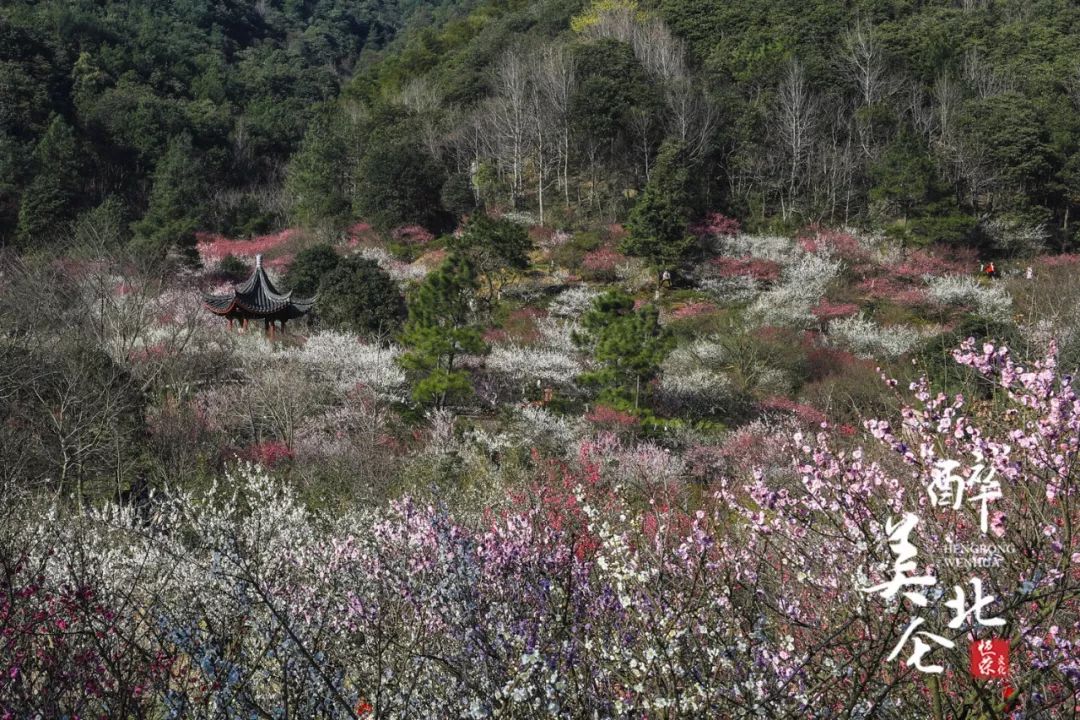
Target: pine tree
315, 183
440, 329
49, 200
494, 247
658, 222
176, 203
627, 344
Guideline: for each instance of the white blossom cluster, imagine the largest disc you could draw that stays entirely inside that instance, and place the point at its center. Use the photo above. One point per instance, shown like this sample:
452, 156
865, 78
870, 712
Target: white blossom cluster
346, 362
801, 286
573, 302
867, 339
634, 275
988, 301
1017, 237
693, 373
734, 290
533, 364
401, 272
767, 247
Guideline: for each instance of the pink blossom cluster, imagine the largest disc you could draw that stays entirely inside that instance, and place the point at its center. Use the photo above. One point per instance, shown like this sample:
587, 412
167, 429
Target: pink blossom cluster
604, 260
844, 245
360, 233
918, 263
805, 413
607, 416
757, 268
412, 235
893, 291
715, 225
212, 248
269, 453
1063, 260
828, 310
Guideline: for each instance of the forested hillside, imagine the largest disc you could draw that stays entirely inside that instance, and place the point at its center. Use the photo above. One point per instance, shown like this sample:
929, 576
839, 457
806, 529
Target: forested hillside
937, 122
940, 121
179, 114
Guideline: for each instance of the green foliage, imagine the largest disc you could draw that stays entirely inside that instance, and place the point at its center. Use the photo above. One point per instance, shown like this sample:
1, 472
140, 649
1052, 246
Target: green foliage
457, 195
360, 297
440, 329
176, 203
658, 222
909, 190
1017, 142
934, 359
233, 268
494, 247
613, 84
309, 267
398, 184
315, 182
244, 82
628, 345
571, 253
105, 226
53, 194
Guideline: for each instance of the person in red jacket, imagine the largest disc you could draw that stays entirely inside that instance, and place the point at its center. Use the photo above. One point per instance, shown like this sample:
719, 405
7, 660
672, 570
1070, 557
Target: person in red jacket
990, 271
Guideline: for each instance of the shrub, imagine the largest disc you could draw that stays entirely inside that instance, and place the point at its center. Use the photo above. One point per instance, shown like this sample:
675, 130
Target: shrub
835, 243
573, 302
765, 271
571, 253
600, 264
527, 365
827, 310
892, 291
348, 363
359, 296
309, 267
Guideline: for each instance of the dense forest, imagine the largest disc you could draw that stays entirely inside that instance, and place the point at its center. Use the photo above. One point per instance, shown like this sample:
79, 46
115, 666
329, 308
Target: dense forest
367, 359
940, 122
159, 119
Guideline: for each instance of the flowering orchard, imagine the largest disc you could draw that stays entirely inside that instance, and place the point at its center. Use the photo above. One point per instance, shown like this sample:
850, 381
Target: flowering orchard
605, 585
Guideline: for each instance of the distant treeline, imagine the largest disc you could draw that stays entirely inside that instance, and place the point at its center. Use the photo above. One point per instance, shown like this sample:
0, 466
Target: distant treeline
953, 122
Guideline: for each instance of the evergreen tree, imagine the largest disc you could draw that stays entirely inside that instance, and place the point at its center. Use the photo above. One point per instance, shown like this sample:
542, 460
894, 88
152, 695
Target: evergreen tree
907, 186
309, 267
457, 194
494, 247
439, 330
52, 195
176, 203
361, 297
398, 184
628, 346
315, 183
658, 221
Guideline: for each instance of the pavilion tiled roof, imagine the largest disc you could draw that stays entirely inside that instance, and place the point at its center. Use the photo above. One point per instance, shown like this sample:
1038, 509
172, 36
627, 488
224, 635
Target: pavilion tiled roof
258, 297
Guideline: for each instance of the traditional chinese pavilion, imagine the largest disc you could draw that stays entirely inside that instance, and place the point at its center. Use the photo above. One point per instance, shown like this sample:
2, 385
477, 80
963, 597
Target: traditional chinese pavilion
257, 299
